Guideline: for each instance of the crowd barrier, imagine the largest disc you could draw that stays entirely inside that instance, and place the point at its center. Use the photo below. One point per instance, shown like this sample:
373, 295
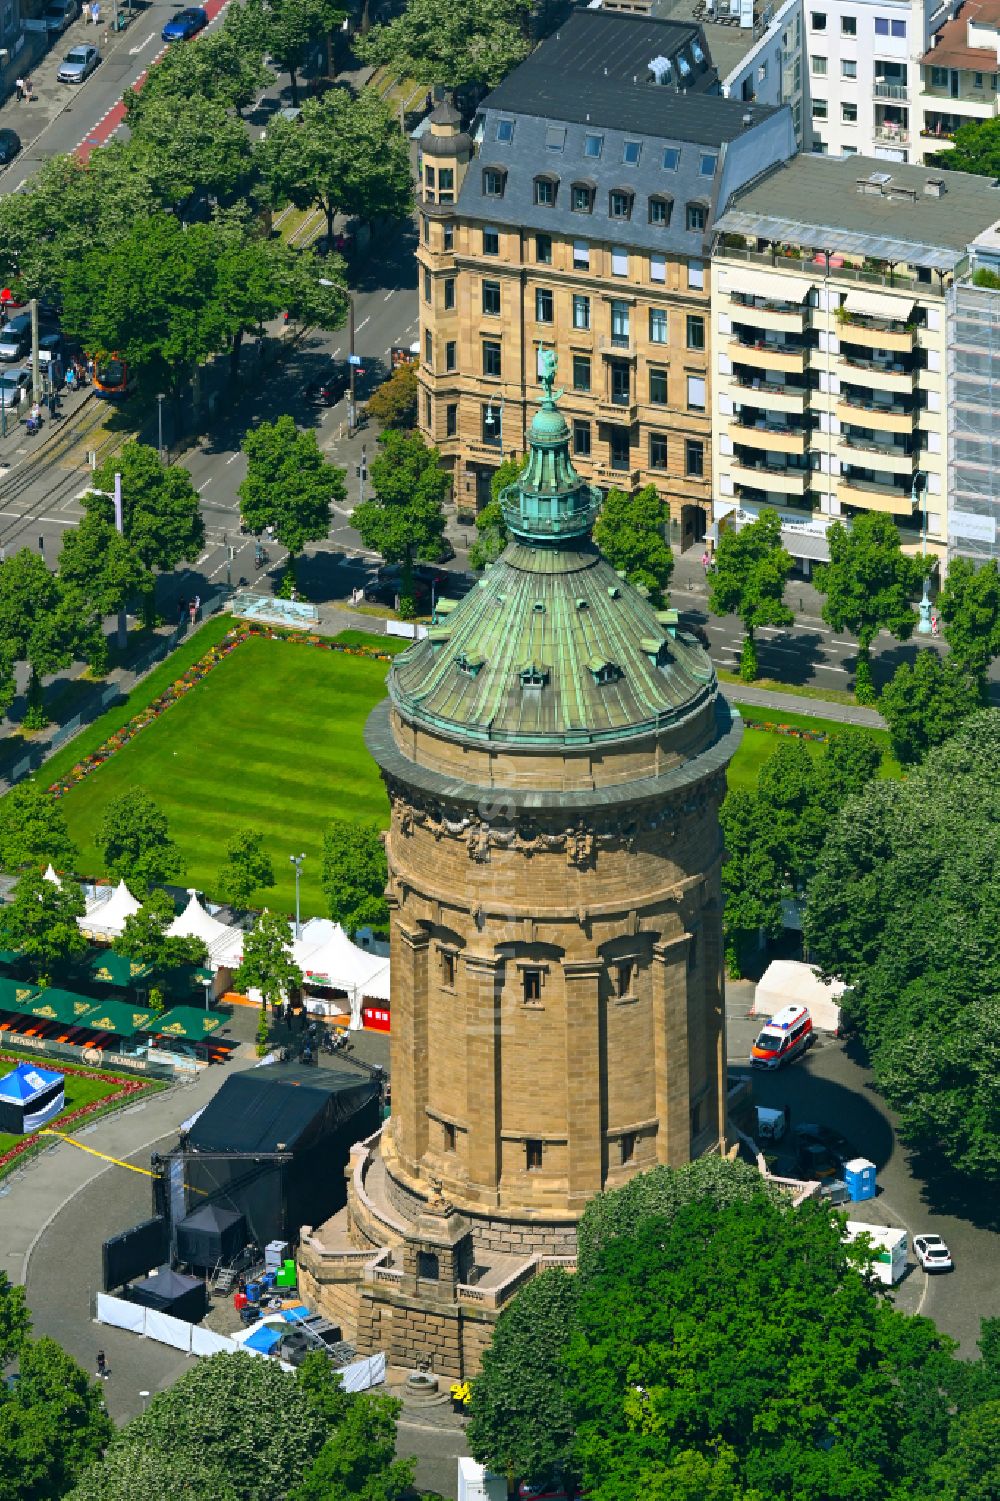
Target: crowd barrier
405, 628
118, 1313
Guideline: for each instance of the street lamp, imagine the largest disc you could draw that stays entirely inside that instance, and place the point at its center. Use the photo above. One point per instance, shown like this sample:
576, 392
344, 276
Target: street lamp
145, 1399
229, 561
297, 862
208, 993
918, 489
160, 398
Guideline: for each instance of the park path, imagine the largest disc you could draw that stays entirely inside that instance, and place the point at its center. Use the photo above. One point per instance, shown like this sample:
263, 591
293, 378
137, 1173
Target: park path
796, 703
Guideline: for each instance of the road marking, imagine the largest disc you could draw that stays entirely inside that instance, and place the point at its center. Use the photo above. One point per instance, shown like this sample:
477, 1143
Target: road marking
134, 51
363, 322
233, 457
206, 484
204, 557
389, 294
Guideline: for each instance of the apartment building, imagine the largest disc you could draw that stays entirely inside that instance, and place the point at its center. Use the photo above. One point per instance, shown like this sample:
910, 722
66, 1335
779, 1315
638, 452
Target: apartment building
974, 403
959, 75
831, 330
578, 216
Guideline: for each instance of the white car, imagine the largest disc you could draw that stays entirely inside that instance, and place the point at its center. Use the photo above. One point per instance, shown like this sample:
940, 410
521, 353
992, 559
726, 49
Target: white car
78, 64
932, 1253
15, 386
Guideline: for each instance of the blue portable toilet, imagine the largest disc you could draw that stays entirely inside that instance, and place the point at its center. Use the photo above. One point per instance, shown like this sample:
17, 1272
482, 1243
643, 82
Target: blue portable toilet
859, 1175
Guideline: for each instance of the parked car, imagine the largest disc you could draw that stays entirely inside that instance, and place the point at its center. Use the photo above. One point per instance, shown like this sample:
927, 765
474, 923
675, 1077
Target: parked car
10, 145
78, 64
329, 388
50, 347
15, 386
59, 14
186, 24
816, 1161
932, 1253
838, 1146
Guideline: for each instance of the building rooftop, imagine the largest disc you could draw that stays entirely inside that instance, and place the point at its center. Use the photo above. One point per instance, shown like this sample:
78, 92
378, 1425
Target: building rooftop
728, 41
552, 647
951, 47
876, 208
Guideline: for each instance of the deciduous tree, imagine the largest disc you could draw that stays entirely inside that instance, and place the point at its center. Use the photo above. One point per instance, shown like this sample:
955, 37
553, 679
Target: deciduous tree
405, 518
15, 1319
354, 874
925, 704
248, 868
439, 45
748, 580
267, 963
975, 148
630, 533
291, 28
289, 484
33, 829
145, 937
53, 1424
358, 1459
100, 571
969, 604
491, 524
192, 148
868, 583
40, 921
37, 626
904, 906
394, 402
135, 843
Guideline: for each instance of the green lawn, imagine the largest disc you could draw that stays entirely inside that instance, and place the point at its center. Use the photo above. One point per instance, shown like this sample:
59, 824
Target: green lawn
389, 644
79, 1091
272, 740
757, 746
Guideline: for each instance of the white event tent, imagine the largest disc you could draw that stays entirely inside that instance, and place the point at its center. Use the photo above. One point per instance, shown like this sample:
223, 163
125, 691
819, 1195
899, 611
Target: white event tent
224, 944
329, 960
105, 916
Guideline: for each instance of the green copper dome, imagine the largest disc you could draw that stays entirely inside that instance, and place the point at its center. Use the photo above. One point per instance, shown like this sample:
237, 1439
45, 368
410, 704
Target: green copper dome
551, 646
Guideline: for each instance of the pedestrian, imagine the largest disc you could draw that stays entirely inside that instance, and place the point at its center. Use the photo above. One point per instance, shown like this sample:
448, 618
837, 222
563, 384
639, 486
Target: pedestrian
197, 606
95, 13
705, 560
36, 413
102, 1366
27, 90
19, 89
191, 612
935, 626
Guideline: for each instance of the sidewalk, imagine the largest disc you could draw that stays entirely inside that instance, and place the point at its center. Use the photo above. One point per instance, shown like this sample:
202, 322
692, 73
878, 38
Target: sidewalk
795, 703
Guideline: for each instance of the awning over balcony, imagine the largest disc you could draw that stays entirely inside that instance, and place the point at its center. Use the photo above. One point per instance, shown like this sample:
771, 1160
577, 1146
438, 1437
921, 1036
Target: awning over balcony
764, 284
878, 305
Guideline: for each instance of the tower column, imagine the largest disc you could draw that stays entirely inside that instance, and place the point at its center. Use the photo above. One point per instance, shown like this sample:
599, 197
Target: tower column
410, 950
670, 1049
484, 976
586, 1109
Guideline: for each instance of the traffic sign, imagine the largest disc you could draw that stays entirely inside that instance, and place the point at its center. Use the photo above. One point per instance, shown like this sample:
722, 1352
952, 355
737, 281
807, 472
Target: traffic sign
354, 359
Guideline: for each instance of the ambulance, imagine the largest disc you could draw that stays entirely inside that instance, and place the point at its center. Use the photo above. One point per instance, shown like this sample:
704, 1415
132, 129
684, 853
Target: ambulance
788, 1033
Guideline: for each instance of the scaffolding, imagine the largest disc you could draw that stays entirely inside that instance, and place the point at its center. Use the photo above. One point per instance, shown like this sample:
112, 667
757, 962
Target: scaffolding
973, 421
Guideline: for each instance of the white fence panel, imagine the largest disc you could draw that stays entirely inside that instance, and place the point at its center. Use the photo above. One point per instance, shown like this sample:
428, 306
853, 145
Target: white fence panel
207, 1342
405, 628
119, 1314
169, 1331
362, 1374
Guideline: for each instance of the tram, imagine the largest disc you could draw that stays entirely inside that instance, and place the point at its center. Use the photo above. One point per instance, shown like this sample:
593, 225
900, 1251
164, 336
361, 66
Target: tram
112, 378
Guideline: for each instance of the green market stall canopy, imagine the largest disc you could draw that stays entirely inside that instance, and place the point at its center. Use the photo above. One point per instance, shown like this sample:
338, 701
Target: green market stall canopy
112, 968
187, 1022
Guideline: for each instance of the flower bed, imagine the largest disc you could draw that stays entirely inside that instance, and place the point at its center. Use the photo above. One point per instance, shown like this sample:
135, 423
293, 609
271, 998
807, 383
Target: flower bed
796, 732
127, 1088
188, 680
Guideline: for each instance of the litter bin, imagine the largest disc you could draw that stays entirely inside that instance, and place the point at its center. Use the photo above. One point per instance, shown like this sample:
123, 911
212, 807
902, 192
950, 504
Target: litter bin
859, 1175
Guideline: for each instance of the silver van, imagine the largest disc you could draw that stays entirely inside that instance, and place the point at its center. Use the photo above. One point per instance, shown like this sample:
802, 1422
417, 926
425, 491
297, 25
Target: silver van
15, 338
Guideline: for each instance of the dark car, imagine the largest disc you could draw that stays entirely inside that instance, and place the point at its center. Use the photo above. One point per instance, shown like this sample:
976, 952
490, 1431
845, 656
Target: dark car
330, 388
10, 145
825, 1136
186, 24
816, 1161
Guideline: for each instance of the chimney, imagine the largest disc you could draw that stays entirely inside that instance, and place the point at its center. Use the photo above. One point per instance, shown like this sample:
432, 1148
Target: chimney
934, 187
747, 119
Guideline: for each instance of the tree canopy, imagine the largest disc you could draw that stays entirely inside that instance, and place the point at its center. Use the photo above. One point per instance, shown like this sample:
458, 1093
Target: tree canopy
969, 605
394, 402
267, 963
135, 842
290, 485
145, 937
40, 921
404, 520
248, 868
491, 524
53, 1424
868, 583
354, 874
748, 580
33, 829
357, 1462
630, 533
975, 148
38, 626
161, 514
438, 44
925, 703
904, 906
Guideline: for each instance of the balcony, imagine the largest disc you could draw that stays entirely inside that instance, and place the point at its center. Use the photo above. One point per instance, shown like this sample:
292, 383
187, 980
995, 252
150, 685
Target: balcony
768, 356
776, 480
620, 345
878, 377
620, 409
814, 264
899, 92
771, 439
781, 317
869, 495
870, 455
877, 333
892, 135
883, 419
776, 398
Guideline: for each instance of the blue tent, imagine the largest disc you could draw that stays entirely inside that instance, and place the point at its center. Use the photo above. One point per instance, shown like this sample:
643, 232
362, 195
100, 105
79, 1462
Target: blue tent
29, 1097
264, 1339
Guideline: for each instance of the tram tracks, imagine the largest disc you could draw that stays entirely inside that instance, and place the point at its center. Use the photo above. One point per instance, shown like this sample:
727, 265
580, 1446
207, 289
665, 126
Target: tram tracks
48, 459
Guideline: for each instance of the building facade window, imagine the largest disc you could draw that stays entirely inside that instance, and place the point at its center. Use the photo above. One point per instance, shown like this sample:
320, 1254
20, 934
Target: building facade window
671, 157
555, 137
505, 132
449, 1137
489, 428
817, 20
533, 1156
581, 255
848, 25
694, 458
696, 276
543, 305
448, 968
425, 229
621, 978
819, 67
659, 210
658, 268
491, 240
493, 182
581, 372
428, 347
492, 363
820, 110
696, 393
695, 332
696, 216
657, 325
619, 204
849, 114
619, 261
448, 236
627, 1143
593, 145
848, 68
427, 286
428, 412
451, 420
619, 455
708, 164
543, 250
446, 185
631, 152
620, 326
581, 311
657, 450
451, 355
581, 198
491, 299
531, 985
449, 293
581, 439
658, 394
545, 192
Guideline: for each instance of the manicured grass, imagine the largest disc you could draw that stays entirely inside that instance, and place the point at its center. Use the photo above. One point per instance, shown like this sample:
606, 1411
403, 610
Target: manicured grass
758, 746
272, 740
151, 687
800, 690
79, 1091
389, 644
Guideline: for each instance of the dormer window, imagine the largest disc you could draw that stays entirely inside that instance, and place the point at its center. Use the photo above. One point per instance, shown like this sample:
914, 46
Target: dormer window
631, 151
697, 216
555, 137
545, 191
604, 671
593, 145
534, 675
471, 665
505, 132
494, 182
660, 209
709, 162
620, 203
671, 157
581, 198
